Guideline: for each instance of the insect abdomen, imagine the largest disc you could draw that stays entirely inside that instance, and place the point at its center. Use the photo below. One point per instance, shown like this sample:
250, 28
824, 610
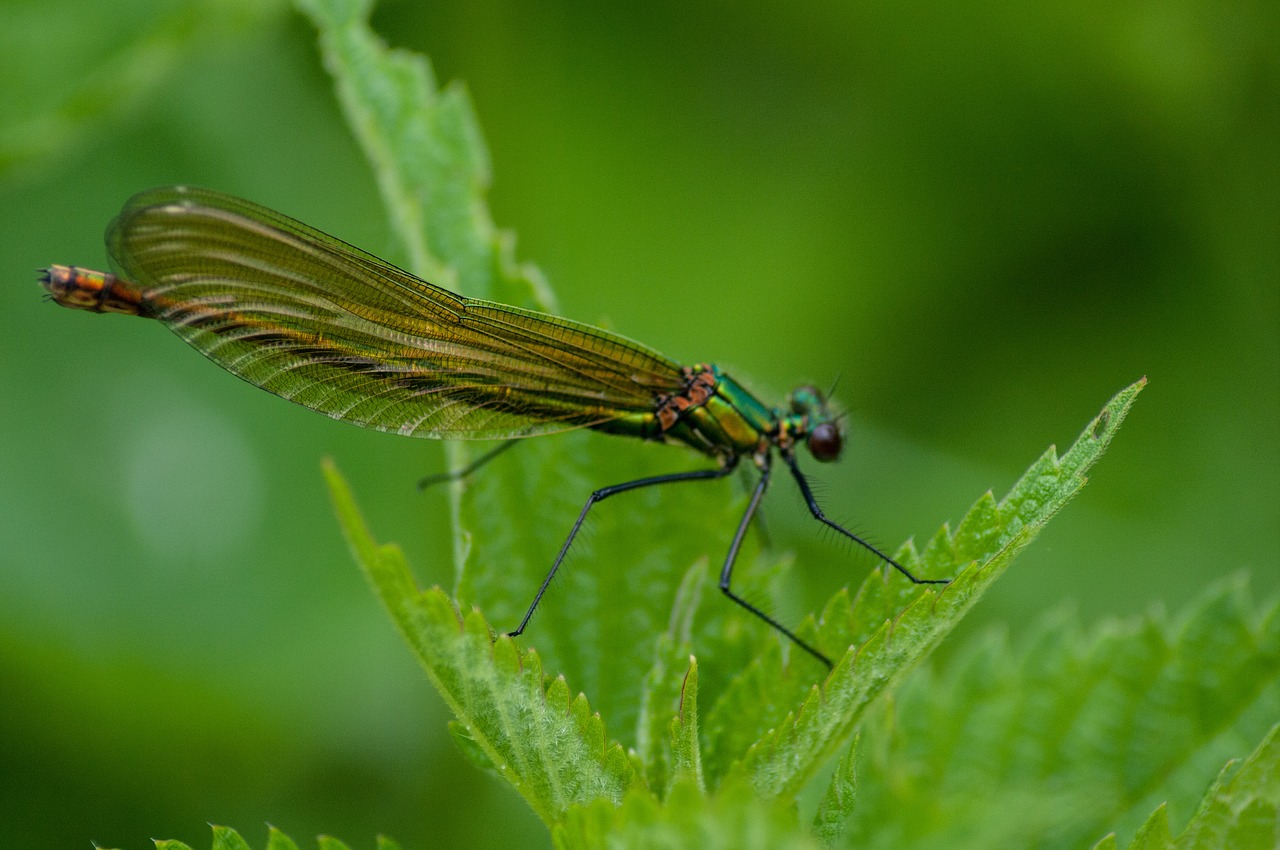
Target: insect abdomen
97, 292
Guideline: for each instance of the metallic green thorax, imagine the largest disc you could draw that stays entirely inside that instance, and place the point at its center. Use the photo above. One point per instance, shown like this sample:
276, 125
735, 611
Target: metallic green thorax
719, 417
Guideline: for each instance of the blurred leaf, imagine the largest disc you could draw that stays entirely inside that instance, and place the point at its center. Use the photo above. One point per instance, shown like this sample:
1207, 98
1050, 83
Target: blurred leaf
428, 158
277, 840
660, 697
1076, 734
1241, 809
545, 742
225, 838
1154, 834
838, 801
115, 64
471, 748
324, 842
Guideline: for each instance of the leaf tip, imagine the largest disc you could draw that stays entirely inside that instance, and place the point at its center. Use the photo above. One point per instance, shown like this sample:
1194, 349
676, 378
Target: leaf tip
690, 683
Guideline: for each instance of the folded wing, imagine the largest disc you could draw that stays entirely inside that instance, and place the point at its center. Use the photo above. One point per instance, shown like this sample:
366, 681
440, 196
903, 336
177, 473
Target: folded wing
319, 322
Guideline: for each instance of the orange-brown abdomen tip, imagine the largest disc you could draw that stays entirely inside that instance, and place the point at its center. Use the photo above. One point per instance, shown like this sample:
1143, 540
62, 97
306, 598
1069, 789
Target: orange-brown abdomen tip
97, 292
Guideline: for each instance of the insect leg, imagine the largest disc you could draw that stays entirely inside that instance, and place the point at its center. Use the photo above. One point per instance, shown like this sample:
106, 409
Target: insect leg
458, 474
727, 573
604, 493
814, 509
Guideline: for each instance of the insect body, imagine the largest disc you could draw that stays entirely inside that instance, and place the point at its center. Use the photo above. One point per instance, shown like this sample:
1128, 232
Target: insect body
322, 323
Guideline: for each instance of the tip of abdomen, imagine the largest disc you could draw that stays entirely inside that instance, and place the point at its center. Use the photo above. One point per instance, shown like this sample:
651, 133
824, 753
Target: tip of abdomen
97, 292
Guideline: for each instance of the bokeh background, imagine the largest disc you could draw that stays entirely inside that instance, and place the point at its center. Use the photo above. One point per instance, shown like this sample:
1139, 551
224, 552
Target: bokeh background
982, 219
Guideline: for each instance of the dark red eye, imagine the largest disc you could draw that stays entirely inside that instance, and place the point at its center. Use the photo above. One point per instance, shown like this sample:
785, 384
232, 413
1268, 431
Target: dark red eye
825, 442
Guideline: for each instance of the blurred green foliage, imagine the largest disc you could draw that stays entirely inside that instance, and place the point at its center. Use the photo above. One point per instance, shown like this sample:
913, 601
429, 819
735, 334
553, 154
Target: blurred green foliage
945, 208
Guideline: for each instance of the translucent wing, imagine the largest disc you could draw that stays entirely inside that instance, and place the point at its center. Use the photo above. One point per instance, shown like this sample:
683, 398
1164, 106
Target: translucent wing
319, 322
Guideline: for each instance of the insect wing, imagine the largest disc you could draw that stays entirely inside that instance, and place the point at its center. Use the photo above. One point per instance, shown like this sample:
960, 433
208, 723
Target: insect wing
322, 323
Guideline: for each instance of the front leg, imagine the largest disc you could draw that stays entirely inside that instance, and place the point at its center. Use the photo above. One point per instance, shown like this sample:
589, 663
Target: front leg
814, 509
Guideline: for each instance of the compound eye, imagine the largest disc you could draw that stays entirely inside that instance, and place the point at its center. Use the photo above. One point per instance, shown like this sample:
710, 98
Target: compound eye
825, 442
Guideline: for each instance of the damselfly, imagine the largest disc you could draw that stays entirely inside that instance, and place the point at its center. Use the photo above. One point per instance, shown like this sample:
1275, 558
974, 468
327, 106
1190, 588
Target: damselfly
322, 323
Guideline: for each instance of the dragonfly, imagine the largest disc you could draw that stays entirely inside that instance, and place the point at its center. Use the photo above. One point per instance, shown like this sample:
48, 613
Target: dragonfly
324, 324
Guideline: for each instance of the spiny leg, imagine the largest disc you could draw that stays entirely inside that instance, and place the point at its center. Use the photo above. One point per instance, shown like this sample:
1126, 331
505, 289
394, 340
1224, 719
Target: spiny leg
726, 574
814, 509
458, 474
604, 493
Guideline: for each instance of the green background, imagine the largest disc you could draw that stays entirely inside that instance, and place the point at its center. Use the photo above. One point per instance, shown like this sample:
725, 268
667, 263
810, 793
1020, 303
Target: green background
982, 221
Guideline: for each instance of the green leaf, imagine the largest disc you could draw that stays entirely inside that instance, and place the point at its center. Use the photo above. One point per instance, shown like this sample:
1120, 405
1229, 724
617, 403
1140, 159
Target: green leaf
686, 752
611, 623
611, 602
428, 157
837, 803
324, 842
660, 696
277, 840
1242, 809
1075, 733
545, 742
225, 838
880, 650
1153, 835
471, 748
614, 594
733, 818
